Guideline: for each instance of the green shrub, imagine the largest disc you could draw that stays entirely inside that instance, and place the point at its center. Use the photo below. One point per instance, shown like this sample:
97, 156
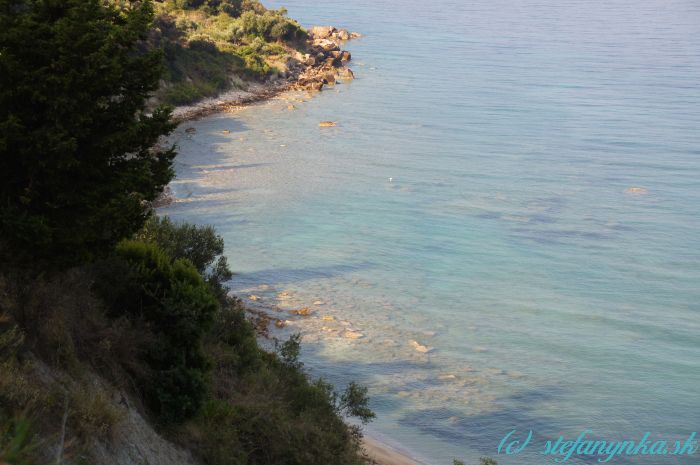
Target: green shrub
254, 62
17, 446
277, 416
177, 306
273, 419
230, 7
272, 25
231, 344
201, 245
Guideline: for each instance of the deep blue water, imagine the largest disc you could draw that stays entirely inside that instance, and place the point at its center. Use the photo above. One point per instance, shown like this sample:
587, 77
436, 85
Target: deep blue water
508, 240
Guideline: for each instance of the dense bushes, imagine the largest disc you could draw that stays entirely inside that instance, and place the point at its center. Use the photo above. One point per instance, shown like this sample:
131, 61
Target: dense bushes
198, 244
231, 7
172, 300
165, 330
274, 415
259, 408
273, 25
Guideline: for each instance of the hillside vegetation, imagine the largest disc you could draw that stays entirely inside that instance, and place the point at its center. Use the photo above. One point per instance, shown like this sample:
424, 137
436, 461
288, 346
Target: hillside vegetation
213, 45
153, 320
119, 343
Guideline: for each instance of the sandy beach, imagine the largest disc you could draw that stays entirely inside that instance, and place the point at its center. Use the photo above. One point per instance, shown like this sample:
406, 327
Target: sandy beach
382, 454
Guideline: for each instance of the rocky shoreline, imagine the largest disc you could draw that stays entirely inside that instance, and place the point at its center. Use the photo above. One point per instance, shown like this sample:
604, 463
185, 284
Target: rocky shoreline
323, 64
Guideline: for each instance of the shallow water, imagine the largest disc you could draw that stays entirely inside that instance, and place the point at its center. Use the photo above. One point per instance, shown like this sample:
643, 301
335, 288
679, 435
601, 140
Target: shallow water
553, 298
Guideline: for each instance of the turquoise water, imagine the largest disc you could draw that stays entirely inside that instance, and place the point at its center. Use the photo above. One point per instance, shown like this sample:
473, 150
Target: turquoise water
507, 240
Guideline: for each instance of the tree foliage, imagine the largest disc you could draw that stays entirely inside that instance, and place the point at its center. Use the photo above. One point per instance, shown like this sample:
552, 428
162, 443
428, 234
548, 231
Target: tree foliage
77, 157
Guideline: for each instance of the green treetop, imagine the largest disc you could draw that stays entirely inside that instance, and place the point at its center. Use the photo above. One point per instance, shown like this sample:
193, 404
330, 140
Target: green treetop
77, 158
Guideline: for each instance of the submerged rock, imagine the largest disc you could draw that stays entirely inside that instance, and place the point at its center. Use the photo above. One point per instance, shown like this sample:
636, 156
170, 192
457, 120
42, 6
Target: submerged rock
349, 334
326, 45
321, 32
329, 78
636, 191
420, 347
347, 74
306, 311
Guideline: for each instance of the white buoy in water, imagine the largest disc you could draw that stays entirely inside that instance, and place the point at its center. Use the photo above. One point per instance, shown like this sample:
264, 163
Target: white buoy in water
391, 179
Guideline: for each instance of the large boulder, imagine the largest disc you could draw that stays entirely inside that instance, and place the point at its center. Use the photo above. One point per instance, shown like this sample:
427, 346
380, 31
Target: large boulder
329, 78
315, 85
321, 32
343, 34
326, 45
347, 74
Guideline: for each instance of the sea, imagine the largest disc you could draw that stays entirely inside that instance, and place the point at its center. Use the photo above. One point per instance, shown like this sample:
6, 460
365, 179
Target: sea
501, 234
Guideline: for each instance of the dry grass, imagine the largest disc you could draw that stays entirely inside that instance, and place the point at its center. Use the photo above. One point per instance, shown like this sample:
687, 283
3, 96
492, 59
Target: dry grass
47, 367
67, 327
92, 414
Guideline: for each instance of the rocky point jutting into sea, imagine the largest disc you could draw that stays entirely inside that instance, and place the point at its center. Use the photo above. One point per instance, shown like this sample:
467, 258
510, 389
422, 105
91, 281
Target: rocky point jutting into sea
322, 64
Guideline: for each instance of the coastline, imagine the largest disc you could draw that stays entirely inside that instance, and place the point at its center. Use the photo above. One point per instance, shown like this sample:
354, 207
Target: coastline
312, 77
231, 100
324, 64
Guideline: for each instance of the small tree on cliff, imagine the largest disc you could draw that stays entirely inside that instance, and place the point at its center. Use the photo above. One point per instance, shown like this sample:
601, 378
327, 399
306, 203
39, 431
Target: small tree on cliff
77, 157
